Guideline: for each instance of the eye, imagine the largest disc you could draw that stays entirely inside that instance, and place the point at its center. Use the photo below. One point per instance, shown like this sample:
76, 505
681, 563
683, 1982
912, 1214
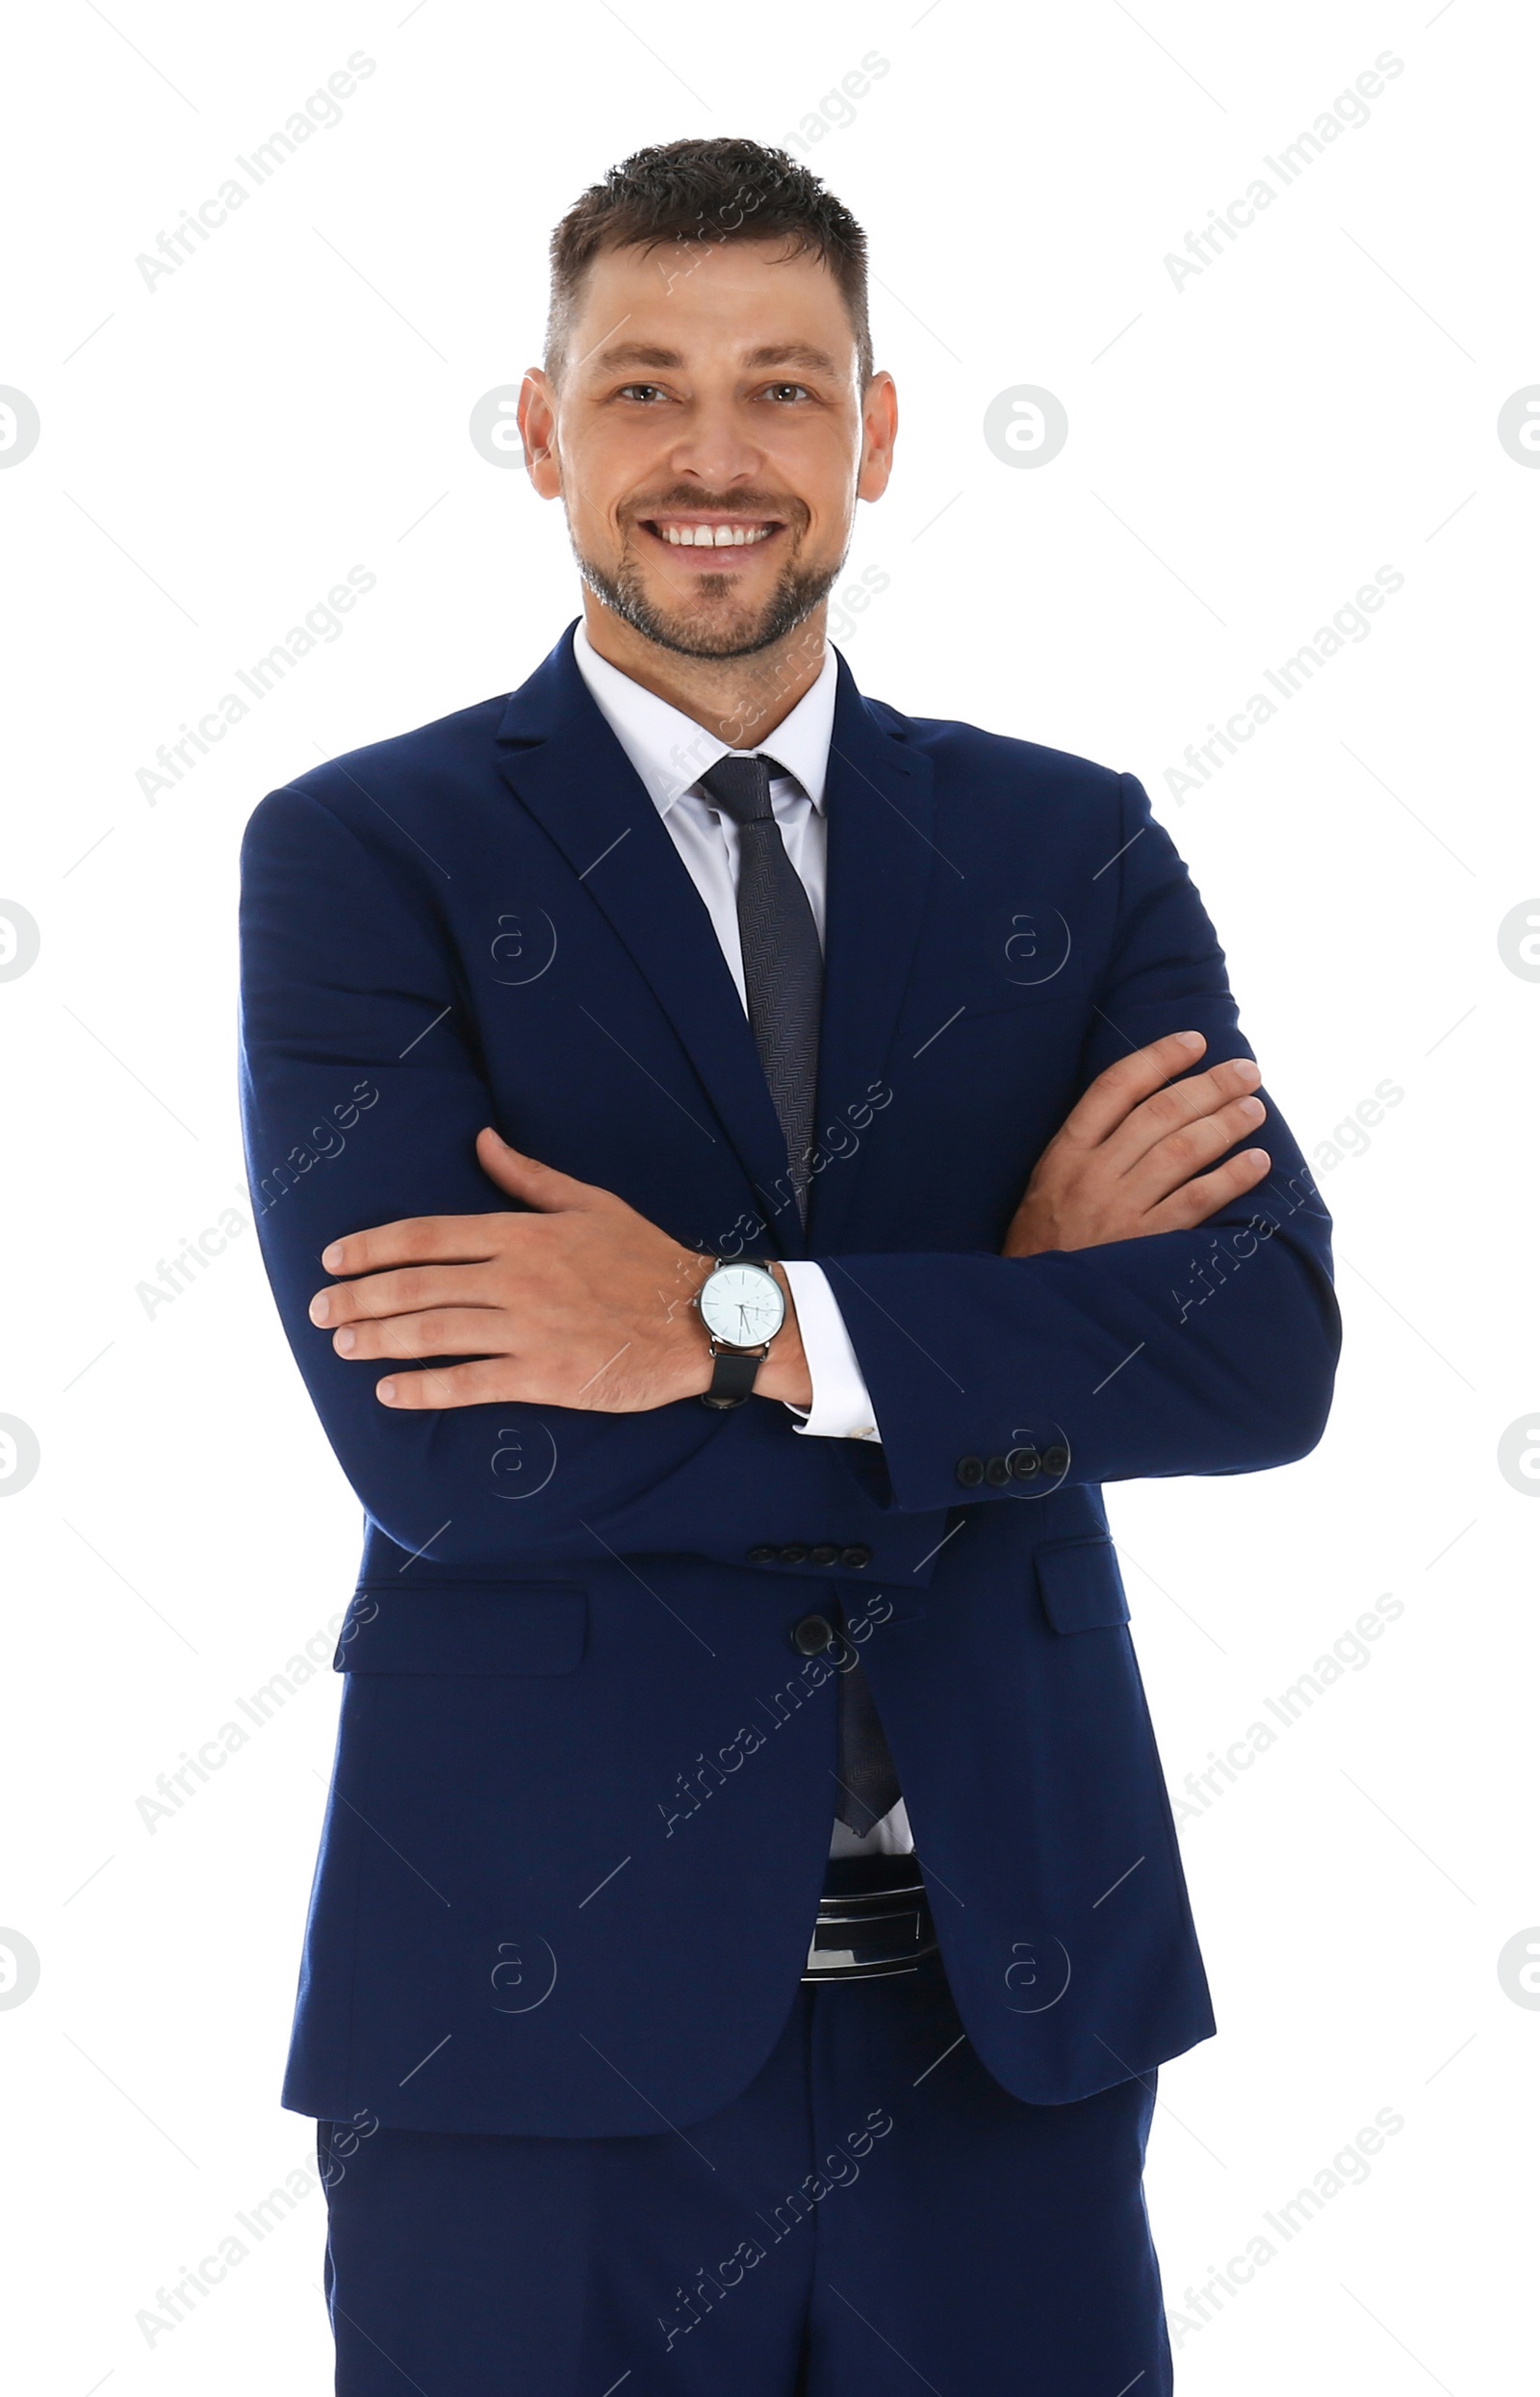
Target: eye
779, 391
642, 391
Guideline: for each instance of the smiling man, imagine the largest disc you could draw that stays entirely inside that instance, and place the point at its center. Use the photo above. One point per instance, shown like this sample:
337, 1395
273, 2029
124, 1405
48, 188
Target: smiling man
740, 1166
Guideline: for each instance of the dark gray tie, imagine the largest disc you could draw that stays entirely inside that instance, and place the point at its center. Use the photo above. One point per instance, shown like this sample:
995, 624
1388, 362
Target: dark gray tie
782, 958
782, 976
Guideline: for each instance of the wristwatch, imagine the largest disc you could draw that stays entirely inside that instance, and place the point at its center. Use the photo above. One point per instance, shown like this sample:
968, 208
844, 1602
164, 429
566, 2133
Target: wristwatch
742, 1307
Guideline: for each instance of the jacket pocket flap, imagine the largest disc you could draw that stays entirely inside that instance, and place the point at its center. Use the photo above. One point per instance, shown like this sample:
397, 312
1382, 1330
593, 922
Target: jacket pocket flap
1080, 1584
465, 1627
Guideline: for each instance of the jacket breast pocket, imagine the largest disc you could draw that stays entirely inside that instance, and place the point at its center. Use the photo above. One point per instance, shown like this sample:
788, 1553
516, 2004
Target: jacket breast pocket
477, 1628
1080, 1584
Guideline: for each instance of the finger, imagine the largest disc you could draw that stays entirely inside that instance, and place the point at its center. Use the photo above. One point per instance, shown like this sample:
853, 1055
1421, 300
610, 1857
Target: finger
525, 1177
1122, 1086
1180, 1104
437, 1332
488, 1382
1196, 1201
1187, 1151
401, 1293
416, 1240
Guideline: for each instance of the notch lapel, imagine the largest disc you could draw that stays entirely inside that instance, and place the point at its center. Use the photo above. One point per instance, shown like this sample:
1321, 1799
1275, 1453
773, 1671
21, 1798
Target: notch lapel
879, 805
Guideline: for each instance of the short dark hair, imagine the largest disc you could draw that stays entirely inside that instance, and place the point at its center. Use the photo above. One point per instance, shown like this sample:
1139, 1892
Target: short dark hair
723, 190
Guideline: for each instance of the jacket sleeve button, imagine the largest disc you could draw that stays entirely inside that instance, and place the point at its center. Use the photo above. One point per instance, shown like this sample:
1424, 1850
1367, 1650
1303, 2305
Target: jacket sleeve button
823, 1554
761, 1556
812, 1634
970, 1471
997, 1472
1056, 1459
857, 1556
795, 1552
1024, 1462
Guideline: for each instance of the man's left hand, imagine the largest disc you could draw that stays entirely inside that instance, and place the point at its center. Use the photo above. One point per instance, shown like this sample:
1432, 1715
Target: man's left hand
581, 1302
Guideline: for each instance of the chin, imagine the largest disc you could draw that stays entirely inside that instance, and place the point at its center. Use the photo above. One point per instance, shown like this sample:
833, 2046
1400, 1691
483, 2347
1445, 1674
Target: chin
718, 624
715, 632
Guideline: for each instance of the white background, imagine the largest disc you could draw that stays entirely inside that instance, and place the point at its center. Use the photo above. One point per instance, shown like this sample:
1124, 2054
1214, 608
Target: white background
1244, 453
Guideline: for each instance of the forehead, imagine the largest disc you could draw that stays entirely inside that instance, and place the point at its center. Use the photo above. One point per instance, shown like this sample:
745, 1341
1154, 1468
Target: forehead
747, 304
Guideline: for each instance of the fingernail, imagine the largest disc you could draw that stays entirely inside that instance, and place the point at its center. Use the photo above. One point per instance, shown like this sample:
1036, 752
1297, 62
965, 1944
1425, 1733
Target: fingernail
1190, 1040
386, 1390
1252, 1110
332, 1258
320, 1307
344, 1341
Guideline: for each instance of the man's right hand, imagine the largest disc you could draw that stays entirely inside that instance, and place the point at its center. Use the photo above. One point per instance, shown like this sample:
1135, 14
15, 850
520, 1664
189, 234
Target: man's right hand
1130, 1157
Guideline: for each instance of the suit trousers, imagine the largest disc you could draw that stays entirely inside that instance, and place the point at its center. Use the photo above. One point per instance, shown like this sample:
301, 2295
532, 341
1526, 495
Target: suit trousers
872, 2217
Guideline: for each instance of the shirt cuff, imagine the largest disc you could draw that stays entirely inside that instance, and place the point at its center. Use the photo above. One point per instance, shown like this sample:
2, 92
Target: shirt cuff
841, 1405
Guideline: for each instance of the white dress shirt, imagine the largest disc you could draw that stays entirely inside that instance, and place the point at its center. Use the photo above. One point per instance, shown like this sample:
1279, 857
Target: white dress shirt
670, 752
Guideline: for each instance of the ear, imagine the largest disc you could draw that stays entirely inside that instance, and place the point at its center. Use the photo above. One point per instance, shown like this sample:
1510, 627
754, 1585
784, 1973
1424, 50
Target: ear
537, 430
879, 412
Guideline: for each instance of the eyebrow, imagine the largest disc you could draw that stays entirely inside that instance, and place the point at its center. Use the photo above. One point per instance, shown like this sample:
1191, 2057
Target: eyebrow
770, 353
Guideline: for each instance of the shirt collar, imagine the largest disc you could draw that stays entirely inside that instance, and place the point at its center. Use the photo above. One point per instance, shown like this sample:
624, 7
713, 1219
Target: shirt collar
670, 750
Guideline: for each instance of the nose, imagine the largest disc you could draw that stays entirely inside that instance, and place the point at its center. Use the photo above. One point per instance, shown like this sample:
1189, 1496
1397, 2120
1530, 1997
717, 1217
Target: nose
714, 449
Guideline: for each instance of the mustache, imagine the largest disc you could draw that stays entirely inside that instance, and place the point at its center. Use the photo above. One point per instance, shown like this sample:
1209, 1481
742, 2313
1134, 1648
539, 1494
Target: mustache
767, 505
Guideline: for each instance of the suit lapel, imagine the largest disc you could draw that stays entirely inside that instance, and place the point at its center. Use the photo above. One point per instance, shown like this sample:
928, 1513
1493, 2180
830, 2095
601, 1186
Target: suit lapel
566, 767
879, 803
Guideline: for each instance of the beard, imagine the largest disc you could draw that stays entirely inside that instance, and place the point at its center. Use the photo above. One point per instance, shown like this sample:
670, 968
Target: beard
716, 627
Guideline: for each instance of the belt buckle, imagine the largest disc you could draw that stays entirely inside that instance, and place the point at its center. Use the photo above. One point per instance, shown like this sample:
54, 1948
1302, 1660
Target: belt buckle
872, 1933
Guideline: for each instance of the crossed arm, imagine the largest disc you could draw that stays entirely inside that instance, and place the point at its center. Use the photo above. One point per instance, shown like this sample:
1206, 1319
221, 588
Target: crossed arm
581, 1302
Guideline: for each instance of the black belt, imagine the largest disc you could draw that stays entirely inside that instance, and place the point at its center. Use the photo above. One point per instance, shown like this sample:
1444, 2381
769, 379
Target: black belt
874, 1919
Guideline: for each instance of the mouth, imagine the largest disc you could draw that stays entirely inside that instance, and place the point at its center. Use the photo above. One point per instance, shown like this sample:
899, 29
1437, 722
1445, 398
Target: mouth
701, 540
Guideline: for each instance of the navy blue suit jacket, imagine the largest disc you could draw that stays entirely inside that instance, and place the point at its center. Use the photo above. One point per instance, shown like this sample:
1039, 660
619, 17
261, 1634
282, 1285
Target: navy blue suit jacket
584, 1781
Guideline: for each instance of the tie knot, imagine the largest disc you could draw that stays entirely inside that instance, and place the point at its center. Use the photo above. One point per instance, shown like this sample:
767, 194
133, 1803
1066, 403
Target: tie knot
740, 788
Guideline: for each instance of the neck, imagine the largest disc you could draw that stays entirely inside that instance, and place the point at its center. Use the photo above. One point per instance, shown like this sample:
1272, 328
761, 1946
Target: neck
740, 700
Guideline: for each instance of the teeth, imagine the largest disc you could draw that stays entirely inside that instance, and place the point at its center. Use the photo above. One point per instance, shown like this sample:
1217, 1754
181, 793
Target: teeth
714, 536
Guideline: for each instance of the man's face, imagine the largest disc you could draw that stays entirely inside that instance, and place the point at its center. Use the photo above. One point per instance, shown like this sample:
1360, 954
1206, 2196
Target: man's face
709, 439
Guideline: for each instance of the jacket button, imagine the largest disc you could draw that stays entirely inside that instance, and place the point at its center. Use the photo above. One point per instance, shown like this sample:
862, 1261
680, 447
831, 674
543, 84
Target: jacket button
970, 1471
1024, 1462
1056, 1459
997, 1472
823, 1554
761, 1556
812, 1634
795, 1552
857, 1556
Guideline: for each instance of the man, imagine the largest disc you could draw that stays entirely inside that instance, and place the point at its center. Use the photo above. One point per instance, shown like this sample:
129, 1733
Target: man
748, 1919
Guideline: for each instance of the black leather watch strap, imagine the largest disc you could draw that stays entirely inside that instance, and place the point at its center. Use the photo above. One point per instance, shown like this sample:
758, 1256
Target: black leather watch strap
733, 1377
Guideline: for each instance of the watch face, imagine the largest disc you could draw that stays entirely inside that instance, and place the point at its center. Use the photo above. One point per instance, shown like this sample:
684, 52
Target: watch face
742, 1305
